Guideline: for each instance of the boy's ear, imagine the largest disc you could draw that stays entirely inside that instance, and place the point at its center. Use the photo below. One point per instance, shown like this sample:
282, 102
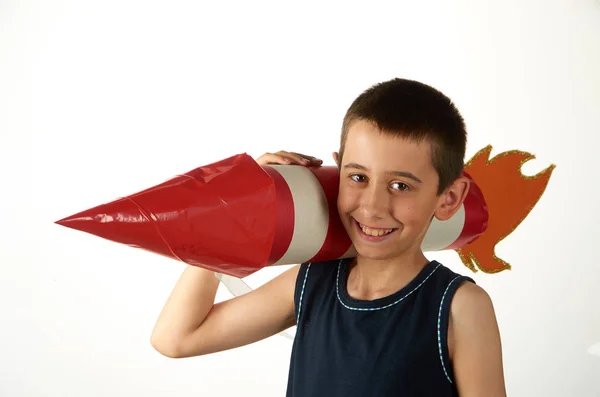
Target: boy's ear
336, 158
452, 198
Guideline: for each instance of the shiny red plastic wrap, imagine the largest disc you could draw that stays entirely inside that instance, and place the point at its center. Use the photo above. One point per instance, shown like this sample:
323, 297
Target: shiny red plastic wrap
221, 216
236, 217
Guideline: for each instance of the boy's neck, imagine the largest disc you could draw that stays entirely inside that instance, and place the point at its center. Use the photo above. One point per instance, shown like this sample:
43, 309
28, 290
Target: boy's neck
370, 279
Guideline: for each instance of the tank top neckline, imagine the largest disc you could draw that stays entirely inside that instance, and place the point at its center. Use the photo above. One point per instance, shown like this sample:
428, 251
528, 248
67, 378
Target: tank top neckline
384, 302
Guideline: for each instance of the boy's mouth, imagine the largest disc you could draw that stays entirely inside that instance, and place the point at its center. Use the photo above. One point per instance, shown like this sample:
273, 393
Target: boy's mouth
373, 233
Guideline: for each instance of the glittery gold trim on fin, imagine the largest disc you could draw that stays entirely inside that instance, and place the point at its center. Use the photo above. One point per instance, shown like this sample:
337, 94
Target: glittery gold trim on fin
473, 264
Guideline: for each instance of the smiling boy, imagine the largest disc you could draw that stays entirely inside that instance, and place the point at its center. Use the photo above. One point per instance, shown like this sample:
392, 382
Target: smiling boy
388, 322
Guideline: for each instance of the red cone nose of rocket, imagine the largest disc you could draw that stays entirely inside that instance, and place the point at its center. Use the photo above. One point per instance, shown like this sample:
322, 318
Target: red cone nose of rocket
220, 217
121, 221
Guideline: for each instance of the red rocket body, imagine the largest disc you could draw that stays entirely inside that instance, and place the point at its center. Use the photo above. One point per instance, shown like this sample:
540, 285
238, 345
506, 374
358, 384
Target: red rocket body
236, 217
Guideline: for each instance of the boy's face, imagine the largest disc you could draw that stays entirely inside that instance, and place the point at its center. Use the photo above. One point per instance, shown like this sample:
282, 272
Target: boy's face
388, 192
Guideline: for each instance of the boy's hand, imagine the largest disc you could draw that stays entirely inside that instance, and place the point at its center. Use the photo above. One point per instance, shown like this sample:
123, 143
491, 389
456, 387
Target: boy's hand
286, 158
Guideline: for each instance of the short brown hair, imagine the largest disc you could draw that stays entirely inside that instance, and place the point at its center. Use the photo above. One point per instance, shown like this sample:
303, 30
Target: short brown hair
416, 111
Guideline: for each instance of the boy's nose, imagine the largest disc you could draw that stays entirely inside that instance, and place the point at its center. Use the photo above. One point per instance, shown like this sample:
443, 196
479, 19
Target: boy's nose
374, 204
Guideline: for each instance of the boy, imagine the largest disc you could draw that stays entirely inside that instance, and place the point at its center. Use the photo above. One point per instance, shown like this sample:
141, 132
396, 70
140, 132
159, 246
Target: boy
388, 322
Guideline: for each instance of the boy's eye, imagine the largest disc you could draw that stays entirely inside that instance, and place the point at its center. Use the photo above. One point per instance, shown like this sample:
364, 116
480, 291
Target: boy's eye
358, 178
400, 186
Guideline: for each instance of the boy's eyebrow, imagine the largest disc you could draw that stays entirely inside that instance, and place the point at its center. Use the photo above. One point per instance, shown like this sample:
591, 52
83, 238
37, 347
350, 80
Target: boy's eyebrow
395, 173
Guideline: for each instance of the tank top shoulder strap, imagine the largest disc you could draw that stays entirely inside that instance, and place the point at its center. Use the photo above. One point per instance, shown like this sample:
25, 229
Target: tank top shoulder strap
452, 281
311, 277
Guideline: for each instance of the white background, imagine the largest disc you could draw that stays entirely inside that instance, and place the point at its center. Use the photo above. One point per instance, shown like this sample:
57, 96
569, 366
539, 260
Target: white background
102, 99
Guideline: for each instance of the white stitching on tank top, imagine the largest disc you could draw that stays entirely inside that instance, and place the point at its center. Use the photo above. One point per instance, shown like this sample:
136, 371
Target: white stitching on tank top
337, 288
439, 326
302, 294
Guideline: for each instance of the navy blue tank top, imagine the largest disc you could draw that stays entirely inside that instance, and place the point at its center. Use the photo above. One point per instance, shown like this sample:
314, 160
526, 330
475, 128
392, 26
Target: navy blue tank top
392, 346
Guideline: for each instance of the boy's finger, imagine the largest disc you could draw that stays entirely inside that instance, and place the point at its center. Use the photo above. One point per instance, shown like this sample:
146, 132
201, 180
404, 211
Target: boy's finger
309, 158
294, 158
273, 158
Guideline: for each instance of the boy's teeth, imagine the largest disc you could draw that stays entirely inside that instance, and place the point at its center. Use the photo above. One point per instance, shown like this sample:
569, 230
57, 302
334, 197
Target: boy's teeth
375, 232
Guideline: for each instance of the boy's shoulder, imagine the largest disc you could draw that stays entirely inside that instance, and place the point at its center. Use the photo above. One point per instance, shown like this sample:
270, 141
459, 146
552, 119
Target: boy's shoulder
316, 271
471, 306
461, 280
468, 293
470, 299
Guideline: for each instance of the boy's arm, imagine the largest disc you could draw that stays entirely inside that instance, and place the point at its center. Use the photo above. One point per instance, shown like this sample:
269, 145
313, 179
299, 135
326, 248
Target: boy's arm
190, 324
475, 344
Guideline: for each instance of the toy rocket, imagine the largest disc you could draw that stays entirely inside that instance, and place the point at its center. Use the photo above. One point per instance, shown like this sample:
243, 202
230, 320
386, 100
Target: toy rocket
235, 217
